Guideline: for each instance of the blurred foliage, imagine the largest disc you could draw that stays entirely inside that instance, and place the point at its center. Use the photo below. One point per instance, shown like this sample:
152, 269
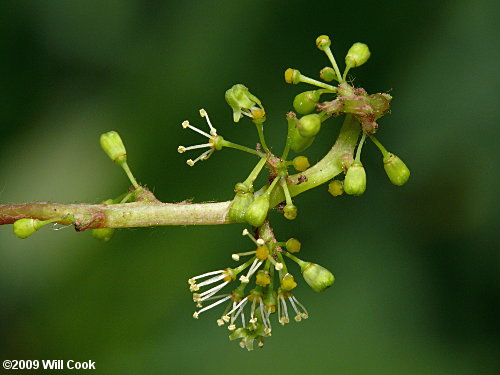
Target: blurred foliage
416, 267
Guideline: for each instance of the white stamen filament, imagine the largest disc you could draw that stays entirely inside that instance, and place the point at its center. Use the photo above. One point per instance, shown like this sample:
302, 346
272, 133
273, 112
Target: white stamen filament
215, 297
191, 280
237, 256
203, 156
252, 312
238, 308
212, 280
284, 318
247, 233
209, 293
298, 317
305, 314
204, 113
213, 304
254, 267
264, 318
203, 145
186, 124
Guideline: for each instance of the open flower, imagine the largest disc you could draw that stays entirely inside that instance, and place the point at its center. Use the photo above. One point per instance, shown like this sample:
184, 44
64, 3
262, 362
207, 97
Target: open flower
298, 308
215, 142
247, 314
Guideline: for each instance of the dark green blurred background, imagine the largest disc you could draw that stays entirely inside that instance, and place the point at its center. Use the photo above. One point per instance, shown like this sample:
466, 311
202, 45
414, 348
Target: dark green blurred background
417, 267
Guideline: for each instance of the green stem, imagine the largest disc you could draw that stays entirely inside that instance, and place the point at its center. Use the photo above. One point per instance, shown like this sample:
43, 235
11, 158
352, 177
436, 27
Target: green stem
291, 125
330, 166
360, 146
328, 52
271, 188
286, 191
236, 146
255, 172
314, 82
282, 261
301, 263
147, 211
347, 68
260, 130
379, 145
127, 170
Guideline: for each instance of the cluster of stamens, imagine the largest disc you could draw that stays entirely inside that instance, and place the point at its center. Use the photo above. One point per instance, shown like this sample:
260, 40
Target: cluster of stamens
211, 144
255, 307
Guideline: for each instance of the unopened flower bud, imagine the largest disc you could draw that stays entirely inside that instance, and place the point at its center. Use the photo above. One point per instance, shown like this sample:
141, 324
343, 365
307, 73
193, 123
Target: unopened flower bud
287, 282
297, 142
103, 234
305, 102
290, 211
293, 245
301, 163
396, 169
23, 228
323, 41
328, 74
336, 188
292, 76
239, 206
112, 145
256, 212
357, 55
309, 125
355, 179
317, 277
242, 102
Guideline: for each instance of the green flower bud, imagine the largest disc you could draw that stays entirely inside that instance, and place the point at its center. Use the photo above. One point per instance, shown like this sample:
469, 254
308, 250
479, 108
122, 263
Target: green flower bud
357, 55
23, 228
239, 206
290, 211
355, 179
242, 102
336, 188
292, 76
103, 234
256, 212
297, 142
317, 277
396, 169
328, 74
323, 41
293, 245
305, 103
309, 125
113, 146
301, 163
